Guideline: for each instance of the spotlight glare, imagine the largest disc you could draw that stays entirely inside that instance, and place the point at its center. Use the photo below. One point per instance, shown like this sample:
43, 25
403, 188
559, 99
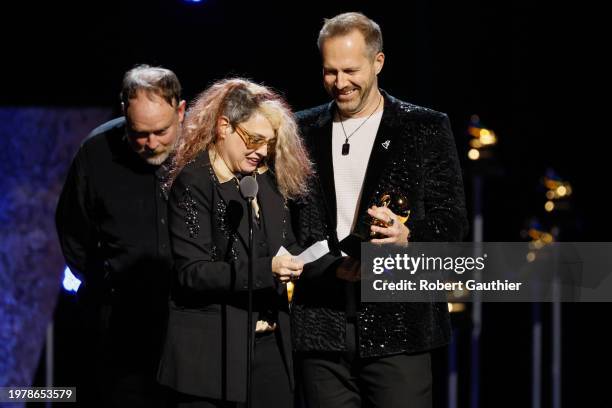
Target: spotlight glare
549, 206
531, 256
561, 190
487, 138
473, 154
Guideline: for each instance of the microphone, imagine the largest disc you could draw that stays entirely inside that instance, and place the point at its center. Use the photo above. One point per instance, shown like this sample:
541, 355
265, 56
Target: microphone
249, 187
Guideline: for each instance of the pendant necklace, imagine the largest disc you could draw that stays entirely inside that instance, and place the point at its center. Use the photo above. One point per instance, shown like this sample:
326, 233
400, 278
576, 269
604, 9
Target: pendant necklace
346, 147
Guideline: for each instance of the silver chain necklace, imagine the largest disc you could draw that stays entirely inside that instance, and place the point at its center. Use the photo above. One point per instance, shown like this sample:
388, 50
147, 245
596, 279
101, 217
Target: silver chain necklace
346, 147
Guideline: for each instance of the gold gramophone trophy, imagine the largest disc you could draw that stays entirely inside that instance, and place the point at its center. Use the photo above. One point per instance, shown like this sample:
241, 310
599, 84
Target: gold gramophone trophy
396, 202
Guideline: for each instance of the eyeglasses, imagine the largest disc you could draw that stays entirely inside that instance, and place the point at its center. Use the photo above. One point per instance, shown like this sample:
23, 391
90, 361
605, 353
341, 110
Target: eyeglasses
254, 142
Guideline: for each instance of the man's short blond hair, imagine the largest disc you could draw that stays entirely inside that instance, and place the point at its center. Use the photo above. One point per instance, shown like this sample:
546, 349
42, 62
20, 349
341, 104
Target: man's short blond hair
345, 23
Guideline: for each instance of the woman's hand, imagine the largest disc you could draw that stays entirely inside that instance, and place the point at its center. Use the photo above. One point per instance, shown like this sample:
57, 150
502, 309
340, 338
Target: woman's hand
264, 326
285, 268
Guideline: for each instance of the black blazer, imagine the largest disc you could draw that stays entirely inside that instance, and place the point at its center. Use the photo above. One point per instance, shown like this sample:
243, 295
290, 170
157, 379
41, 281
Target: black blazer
205, 348
414, 153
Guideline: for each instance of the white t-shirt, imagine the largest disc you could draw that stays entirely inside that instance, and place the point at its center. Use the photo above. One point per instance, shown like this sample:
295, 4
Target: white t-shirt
349, 170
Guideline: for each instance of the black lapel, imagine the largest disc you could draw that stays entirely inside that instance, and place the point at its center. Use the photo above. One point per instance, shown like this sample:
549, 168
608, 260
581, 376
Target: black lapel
321, 147
272, 207
236, 215
386, 139
270, 203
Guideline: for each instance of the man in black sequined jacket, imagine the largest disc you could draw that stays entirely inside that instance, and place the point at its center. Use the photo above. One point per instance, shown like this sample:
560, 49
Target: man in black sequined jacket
351, 352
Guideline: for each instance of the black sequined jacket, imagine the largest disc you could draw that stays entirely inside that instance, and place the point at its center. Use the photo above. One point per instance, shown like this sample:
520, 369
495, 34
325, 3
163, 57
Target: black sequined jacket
414, 153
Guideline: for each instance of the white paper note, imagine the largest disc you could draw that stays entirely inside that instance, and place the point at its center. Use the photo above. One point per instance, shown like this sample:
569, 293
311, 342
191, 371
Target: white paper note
314, 252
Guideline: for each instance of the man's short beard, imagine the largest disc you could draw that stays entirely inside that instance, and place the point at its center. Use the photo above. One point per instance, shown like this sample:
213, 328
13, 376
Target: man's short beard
158, 159
344, 107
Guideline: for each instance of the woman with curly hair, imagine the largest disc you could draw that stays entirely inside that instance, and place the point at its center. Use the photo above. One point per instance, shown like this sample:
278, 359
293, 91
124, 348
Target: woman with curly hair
234, 129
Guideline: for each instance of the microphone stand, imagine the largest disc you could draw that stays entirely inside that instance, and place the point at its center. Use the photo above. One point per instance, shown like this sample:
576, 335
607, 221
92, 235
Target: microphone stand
248, 189
250, 337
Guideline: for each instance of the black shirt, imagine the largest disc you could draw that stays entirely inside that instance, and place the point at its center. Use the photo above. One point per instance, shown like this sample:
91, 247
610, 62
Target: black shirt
111, 219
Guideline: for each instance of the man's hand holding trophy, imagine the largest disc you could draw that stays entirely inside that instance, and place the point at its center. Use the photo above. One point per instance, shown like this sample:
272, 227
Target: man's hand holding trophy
388, 218
386, 221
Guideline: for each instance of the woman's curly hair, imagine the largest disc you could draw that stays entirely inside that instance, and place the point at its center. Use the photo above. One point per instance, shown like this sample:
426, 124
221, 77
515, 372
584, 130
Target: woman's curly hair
238, 99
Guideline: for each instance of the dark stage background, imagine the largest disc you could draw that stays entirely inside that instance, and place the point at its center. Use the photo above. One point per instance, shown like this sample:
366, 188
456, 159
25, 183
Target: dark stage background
515, 64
